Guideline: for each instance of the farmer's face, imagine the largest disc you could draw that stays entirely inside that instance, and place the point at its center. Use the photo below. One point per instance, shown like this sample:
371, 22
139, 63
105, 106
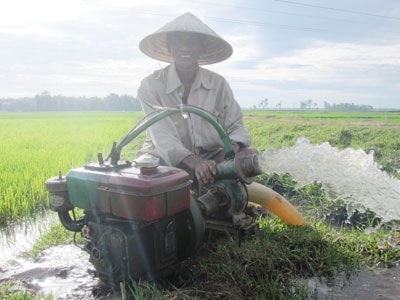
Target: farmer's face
185, 49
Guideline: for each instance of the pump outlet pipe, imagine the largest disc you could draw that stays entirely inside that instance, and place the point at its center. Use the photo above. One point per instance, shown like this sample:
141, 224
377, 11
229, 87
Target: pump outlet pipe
275, 203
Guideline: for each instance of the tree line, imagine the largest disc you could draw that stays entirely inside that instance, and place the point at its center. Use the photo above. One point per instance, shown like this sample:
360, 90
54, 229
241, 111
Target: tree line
310, 104
114, 102
47, 102
348, 107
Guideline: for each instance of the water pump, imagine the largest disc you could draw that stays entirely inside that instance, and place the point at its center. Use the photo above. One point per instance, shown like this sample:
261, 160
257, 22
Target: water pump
140, 219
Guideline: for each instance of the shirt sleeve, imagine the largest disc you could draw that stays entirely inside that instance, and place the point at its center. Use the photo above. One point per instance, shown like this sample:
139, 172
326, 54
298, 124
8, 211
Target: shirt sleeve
233, 118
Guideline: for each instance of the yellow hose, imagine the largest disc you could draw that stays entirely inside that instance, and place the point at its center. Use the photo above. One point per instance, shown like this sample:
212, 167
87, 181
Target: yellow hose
275, 203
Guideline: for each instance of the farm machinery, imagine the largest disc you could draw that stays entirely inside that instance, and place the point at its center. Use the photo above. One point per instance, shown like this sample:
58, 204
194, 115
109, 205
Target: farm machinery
141, 219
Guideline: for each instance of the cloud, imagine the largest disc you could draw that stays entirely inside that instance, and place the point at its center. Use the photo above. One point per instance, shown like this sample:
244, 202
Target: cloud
245, 47
22, 12
94, 78
33, 31
325, 63
326, 71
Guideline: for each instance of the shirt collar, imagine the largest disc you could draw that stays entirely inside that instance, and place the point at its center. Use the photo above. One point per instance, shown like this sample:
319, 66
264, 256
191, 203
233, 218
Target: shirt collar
173, 81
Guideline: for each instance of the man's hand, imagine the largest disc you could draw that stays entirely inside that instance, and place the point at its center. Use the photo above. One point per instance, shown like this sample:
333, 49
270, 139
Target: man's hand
236, 147
203, 169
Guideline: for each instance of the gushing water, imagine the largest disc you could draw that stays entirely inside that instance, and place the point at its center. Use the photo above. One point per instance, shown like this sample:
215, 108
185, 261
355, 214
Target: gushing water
350, 174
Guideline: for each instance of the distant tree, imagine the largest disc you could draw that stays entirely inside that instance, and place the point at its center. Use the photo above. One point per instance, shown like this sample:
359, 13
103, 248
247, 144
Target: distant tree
263, 104
308, 104
279, 105
44, 101
26, 104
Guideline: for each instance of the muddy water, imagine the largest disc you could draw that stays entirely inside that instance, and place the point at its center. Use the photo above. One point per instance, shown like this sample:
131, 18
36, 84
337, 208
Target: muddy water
19, 238
61, 271
382, 284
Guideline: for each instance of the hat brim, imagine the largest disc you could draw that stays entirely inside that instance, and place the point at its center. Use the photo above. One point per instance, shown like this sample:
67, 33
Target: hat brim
155, 46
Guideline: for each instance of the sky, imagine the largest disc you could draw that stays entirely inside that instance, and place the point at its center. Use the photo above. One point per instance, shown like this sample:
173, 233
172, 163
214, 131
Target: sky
343, 51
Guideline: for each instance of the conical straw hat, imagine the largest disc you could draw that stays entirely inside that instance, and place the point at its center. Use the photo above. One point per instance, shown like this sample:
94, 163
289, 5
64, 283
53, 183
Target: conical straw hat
155, 45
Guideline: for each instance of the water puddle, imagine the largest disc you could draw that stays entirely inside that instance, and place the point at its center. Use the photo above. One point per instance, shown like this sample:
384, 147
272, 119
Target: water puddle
62, 271
21, 237
376, 284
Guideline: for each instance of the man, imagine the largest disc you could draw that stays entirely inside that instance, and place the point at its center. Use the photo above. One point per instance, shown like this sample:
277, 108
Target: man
190, 143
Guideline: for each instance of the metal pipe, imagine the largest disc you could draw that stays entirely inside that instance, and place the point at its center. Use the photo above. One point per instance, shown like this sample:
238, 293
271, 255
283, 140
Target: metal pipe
244, 166
68, 223
164, 113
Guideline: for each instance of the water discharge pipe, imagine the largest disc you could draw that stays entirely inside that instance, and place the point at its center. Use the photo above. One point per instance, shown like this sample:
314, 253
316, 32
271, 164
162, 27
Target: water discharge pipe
275, 203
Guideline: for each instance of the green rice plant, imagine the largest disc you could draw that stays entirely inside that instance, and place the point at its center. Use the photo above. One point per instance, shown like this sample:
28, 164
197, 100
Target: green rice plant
37, 146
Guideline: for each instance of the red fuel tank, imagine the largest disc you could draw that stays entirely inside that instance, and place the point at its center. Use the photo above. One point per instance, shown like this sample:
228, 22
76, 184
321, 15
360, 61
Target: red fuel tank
136, 194
145, 196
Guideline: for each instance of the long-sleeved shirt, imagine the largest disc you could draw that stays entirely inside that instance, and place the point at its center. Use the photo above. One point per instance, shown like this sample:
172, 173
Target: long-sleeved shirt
176, 137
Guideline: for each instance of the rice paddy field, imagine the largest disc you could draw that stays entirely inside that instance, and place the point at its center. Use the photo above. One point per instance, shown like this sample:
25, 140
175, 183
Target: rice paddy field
37, 146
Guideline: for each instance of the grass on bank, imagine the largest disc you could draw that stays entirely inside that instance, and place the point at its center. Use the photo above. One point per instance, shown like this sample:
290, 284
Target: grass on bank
276, 263
9, 292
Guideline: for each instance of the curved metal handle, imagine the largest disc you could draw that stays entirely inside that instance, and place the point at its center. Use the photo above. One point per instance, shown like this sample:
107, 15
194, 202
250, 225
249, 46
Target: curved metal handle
166, 112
